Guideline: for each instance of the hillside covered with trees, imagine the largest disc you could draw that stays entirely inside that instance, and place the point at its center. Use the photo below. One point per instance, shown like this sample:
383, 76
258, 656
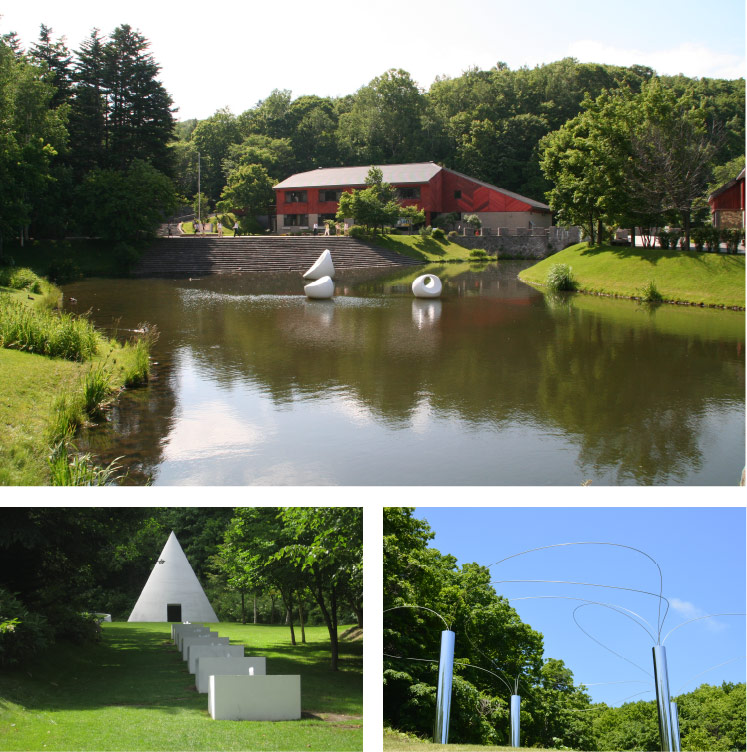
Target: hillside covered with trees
494, 647
293, 566
90, 144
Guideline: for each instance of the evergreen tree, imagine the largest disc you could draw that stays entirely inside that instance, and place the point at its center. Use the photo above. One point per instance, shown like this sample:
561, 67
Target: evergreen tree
58, 61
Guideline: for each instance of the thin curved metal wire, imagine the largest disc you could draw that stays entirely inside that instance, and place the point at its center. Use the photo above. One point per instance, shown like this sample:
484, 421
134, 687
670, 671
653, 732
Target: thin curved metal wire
424, 608
718, 665
699, 618
601, 644
613, 606
487, 657
456, 663
659, 620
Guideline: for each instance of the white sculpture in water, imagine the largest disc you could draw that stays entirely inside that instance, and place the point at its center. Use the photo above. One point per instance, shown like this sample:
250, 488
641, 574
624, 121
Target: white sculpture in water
323, 288
426, 286
322, 267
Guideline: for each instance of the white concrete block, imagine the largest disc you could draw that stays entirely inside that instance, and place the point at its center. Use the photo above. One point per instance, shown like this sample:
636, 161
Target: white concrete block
254, 698
207, 639
208, 666
184, 629
196, 650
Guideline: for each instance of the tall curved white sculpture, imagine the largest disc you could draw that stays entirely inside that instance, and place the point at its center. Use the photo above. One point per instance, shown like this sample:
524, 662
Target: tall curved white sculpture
173, 592
322, 289
426, 286
322, 267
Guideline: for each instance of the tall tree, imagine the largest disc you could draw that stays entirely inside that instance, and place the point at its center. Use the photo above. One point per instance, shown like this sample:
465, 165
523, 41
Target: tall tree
57, 59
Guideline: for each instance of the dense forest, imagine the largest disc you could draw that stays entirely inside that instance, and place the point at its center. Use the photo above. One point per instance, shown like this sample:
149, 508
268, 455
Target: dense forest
292, 567
90, 143
556, 713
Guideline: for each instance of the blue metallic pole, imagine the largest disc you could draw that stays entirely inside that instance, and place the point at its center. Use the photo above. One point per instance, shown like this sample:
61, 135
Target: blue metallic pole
661, 682
443, 693
515, 721
676, 744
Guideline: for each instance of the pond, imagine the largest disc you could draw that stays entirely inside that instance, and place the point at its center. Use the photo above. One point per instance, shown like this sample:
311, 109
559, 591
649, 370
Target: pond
493, 384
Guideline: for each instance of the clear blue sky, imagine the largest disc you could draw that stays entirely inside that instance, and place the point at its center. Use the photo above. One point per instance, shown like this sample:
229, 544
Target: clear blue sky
701, 552
235, 53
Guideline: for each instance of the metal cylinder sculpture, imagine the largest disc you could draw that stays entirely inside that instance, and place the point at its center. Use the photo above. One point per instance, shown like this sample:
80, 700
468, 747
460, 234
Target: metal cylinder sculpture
515, 721
675, 727
661, 682
443, 691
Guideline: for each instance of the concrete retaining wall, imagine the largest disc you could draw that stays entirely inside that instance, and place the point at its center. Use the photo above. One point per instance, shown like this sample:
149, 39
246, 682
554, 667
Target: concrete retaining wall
522, 242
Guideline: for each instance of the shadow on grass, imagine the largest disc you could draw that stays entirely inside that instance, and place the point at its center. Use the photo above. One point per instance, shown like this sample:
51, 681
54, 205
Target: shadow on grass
138, 667
654, 255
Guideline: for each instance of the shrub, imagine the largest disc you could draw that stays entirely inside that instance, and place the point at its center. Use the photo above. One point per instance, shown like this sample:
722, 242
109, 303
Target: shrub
20, 278
438, 233
712, 239
732, 236
478, 254
357, 231
57, 335
560, 278
63, 271
79, 470
698, 236
453, 234
426, 231
22, 633
125, 257
664, 239
650, 293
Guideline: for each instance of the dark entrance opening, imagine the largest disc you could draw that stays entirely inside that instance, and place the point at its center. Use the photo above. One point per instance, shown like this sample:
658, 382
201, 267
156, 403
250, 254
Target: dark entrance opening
173, 612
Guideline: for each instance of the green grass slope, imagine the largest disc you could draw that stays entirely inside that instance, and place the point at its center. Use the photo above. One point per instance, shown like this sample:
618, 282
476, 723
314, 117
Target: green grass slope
420, 248
710, 279
132, 691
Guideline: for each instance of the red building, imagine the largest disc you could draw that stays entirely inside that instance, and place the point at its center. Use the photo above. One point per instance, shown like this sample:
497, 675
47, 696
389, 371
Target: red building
727, 203
311, 197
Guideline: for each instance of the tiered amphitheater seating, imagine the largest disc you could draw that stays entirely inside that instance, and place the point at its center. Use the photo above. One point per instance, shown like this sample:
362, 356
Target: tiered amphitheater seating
196, 257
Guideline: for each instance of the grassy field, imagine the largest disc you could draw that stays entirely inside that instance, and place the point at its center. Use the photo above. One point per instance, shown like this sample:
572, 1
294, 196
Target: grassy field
397, 741
711, 279
31, 385
422, 249
132, 691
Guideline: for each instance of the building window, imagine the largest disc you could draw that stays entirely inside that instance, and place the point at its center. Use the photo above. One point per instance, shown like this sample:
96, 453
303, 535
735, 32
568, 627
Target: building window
296, 220
322, 217
326, 195
457, 194
403, 193
295, 197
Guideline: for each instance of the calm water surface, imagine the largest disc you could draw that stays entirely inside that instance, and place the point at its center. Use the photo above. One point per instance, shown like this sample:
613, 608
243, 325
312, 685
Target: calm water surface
493, 384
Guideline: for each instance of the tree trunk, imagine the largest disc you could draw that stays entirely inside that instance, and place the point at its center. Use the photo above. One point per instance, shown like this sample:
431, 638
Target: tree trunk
632, 236
300, 617
358, 608
272, 609
330, 619
600, 231
289, 615
243, 609
591, 228
686, 225
255, 608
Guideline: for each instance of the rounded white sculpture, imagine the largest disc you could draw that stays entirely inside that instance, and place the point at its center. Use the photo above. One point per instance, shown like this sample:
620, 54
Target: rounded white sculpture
426, 286
323, 288
322, 267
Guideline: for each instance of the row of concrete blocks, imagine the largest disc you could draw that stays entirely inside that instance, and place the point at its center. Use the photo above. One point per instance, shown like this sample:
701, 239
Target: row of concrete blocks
238, 687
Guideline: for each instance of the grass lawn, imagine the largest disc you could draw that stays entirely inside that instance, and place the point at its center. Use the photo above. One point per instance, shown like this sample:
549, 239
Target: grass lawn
132, 691
422, 249
711, 279
29, 385
397, 741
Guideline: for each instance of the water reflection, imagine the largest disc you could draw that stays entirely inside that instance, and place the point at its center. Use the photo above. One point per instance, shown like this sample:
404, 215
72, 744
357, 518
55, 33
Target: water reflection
494, 383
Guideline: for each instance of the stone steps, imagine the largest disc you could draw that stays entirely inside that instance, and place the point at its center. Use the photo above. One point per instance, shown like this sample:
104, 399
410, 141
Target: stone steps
195, 256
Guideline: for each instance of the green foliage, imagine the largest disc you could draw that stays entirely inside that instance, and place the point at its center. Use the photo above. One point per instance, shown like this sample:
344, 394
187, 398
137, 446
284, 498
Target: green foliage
473, 221
23, 634
80, 470
560, 278
453, 234
478, 254
438, 233
57, 335
62, 271
127, 204
249, 190
96, 390
426, 232
650, 293
20, 278
357, 231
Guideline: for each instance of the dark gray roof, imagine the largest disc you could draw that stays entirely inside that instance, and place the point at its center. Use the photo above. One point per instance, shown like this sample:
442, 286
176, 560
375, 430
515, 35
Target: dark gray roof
399, 174
340, 177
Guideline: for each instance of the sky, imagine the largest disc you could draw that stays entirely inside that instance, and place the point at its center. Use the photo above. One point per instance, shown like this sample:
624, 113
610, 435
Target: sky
235, 53
701, 553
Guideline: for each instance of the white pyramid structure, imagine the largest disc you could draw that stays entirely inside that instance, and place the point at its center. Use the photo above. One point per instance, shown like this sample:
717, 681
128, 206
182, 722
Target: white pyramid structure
173, 592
